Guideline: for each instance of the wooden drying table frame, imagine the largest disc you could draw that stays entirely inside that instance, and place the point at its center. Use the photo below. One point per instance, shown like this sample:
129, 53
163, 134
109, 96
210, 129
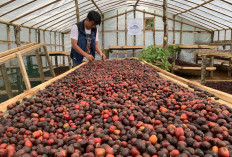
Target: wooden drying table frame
225, 98
133, 48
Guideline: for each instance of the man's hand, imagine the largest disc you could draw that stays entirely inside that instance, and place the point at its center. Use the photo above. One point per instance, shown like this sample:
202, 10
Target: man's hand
103, 56
89, 57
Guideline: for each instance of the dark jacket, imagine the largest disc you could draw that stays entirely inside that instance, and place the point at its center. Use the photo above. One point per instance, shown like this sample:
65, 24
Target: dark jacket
82, 43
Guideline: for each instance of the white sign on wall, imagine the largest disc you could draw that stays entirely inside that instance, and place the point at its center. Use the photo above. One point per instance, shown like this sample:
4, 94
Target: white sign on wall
135, 26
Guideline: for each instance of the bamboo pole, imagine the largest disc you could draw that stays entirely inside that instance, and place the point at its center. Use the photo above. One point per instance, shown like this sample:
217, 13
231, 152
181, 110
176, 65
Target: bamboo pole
174, 28
165, 39
144, 28
125, 28
77, 10
6, 81
203, 69
117, 27
181, 32
194, 36
154, 30
134, 36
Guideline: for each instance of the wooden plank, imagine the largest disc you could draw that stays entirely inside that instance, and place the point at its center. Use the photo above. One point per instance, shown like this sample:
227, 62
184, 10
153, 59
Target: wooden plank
6, 81
31, 92
23, 70
193, 68
118, 15
49, 61
126, 47
13, 55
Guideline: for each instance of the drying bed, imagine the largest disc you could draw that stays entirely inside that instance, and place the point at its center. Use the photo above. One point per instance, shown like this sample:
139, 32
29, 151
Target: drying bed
116, 108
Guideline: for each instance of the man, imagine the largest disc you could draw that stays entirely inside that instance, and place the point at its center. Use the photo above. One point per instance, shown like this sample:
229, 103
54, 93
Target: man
84, 39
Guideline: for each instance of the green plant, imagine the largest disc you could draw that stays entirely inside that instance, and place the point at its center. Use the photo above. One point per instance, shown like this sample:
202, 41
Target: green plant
172, 48
156, 56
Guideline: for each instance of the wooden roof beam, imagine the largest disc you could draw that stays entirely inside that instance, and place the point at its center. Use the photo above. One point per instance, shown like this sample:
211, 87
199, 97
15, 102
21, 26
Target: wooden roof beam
45, 12
34, 10
2, 5
194, 7
97, 7
55, 15
17, 8
137, 2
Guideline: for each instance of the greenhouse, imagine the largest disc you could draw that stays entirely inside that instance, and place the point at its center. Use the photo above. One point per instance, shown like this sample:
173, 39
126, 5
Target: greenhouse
139, 78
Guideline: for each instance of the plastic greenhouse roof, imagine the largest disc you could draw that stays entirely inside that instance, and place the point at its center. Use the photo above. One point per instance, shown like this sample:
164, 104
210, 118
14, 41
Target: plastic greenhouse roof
59, 15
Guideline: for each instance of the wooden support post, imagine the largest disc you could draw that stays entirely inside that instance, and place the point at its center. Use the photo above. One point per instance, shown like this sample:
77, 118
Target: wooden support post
77, 10
194, 36
230, 67
9, 44
203, 69
62, 41
40, 66
174, 28
134, 35
23, 71
103, 39
231, 39
49, 61
212, 37
218, 35
173, 61
224, 46
55, 40
6, 81
69, 62
211, 65
181, 31
125, 28
8, 36
17, 35
154, 31
144, 28
29, 35
165, 39
50, 40
117, 27
44, 39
